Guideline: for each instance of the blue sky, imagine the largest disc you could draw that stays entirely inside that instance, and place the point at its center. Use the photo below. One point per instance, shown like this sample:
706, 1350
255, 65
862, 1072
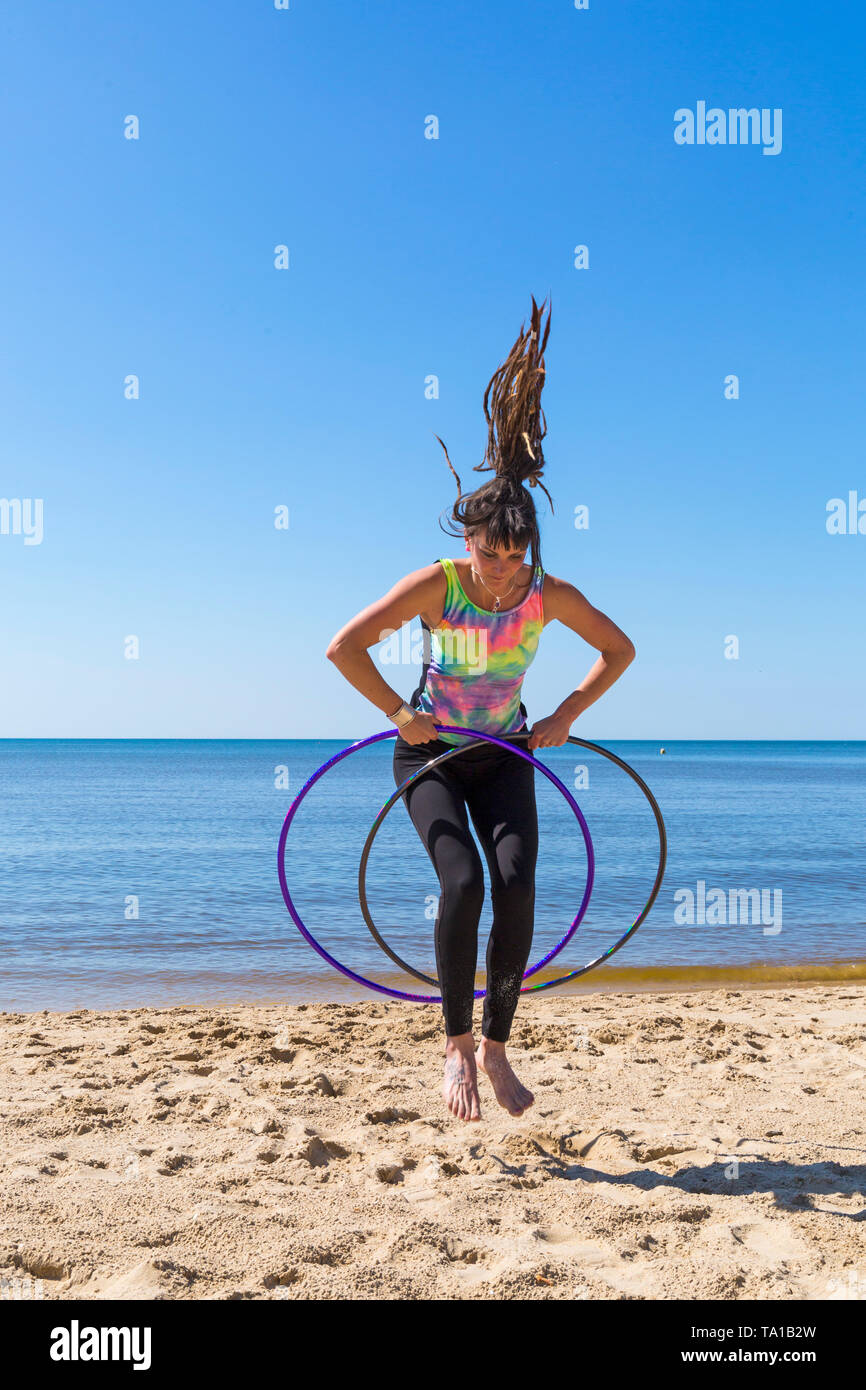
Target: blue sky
410, 258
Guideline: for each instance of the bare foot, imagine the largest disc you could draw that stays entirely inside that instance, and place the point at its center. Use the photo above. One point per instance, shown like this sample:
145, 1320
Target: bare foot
511, 1094
460, 1087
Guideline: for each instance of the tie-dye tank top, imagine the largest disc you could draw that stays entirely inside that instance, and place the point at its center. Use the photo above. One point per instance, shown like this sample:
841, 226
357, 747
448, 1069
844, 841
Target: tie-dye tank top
475, 660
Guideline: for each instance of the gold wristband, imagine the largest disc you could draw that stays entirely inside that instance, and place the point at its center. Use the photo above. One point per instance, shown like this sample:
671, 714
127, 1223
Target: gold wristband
402, 716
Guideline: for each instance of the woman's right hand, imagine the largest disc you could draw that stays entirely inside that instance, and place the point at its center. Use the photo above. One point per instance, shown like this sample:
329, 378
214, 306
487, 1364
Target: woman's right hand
420, 729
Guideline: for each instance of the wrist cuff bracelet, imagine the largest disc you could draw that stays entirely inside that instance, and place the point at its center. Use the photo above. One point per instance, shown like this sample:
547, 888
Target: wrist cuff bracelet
402, 716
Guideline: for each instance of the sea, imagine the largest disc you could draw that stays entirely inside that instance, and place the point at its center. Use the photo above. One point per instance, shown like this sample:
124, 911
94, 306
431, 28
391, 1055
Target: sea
145, 871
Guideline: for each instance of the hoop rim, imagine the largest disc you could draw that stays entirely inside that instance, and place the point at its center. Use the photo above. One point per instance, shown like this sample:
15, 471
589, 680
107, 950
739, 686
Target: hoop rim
401, 791
424, 998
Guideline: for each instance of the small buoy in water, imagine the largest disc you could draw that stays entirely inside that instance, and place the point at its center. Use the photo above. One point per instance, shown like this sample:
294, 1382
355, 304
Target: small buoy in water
662, 750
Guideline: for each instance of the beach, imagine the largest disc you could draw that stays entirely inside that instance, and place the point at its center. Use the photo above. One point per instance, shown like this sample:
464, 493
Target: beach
702, 1143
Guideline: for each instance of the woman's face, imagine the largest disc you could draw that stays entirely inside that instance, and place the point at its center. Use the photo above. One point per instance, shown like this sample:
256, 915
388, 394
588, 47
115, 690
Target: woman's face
496, 567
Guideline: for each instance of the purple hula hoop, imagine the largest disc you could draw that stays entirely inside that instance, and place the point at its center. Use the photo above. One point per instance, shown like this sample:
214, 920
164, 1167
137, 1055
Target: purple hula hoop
392, 733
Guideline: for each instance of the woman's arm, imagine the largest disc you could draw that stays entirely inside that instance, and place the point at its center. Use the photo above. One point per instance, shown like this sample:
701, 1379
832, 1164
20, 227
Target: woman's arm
563, 601
415, 593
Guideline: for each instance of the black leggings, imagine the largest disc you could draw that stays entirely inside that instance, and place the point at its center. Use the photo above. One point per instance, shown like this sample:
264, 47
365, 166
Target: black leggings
498, 789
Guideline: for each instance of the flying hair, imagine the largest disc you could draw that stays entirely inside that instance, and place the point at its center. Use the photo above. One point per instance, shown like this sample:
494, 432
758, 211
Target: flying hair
503, 507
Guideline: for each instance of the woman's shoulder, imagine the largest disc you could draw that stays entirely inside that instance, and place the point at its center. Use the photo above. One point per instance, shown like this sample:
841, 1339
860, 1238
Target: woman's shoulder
437, 582
559, 594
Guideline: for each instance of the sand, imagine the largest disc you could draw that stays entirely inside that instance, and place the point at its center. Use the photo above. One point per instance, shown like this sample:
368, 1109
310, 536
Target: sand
703, 1144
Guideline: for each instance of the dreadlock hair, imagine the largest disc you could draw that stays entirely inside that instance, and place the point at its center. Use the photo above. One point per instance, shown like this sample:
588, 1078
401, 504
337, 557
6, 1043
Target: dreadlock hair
503, 506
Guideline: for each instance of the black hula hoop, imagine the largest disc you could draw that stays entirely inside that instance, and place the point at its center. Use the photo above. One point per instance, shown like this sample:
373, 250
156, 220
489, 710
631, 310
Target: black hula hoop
443, 757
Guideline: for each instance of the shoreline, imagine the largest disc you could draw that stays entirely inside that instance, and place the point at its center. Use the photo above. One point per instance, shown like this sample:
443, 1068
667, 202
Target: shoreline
637, 980
698, 1144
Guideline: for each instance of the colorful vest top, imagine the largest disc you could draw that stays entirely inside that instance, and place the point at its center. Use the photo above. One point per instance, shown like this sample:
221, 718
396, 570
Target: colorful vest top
475, 661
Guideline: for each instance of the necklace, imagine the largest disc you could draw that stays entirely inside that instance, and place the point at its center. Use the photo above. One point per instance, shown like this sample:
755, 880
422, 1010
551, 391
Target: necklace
498, 597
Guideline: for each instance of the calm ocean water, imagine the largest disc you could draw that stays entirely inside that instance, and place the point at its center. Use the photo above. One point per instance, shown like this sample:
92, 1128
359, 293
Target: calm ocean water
144, 871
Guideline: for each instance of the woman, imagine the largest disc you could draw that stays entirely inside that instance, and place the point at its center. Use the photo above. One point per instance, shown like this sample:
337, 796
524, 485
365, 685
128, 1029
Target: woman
482, 617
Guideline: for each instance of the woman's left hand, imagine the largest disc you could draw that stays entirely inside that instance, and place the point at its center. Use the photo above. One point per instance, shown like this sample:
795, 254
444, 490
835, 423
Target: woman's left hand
551, 732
